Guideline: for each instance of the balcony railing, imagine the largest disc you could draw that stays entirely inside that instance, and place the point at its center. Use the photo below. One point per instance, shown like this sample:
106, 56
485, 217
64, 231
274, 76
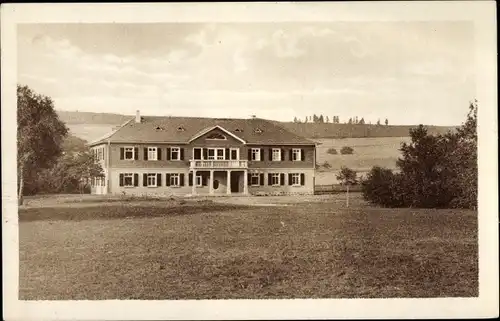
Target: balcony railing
219, 164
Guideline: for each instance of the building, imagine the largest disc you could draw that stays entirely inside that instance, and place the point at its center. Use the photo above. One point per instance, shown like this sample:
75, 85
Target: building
203, 156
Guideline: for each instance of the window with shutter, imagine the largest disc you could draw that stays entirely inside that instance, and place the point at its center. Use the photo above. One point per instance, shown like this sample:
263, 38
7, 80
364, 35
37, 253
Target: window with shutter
136, 153
269, 179
145, 153
158, 179
302, 155
121, 179
159, 153
181, 179
122, 153
136, 180
261, 179
129, 153
168, 153
282, 154
302, 179
151, 180
167, 179
182, 154
282, 179
227, 154
290, 182
144, 179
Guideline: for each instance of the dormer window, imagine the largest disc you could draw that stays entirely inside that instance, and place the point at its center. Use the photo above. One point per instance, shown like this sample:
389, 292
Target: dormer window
238, 130
159, 128
180, 129
258, 130
217, 136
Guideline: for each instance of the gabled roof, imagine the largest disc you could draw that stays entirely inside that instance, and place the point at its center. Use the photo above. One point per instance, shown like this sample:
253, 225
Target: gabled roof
207, 130
181, 130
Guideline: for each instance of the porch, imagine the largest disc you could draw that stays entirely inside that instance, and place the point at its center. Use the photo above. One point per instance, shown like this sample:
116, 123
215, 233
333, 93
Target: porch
219, 182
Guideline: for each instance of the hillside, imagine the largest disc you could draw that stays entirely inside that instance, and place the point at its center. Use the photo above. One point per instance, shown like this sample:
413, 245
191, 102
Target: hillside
329, 130
78, 118
90, 126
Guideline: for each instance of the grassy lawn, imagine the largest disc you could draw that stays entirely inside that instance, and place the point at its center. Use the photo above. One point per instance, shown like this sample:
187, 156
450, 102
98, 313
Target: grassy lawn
200, 250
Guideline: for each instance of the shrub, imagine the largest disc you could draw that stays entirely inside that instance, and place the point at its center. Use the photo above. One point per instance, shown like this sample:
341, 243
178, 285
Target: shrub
346, 150
332, 151
326, 165
377, 186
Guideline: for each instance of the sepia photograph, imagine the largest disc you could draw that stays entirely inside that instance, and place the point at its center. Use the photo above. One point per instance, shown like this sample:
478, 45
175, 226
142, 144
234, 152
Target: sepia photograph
231, 159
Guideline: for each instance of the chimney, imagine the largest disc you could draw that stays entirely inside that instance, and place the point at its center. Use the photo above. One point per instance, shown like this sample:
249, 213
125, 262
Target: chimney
137, 116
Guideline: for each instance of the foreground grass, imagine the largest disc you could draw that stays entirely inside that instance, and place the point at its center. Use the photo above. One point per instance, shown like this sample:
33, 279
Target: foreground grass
227, 252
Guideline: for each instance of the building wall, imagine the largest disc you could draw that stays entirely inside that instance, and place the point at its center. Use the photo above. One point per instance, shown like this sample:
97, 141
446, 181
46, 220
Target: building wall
116, 189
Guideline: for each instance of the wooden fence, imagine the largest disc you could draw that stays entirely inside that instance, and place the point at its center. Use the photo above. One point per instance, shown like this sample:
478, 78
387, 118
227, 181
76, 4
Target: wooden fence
335, 189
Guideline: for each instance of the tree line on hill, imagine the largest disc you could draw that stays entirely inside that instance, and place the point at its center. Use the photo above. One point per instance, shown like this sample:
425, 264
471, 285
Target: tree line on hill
49, 160
434, 171
315, 119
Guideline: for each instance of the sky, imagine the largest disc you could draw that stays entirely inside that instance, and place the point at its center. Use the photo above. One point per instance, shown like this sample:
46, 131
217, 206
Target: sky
408, 72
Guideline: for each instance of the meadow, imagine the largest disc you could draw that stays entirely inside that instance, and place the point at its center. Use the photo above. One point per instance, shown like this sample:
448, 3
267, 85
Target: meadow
368, 152
204, 249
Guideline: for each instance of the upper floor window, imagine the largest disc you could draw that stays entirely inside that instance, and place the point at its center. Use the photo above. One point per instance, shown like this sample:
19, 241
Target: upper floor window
152, 153
129, 153
295, 179
256, 154
197, 153
296, 154
216, 153
276, 154
216, 136
234, 154
175, 153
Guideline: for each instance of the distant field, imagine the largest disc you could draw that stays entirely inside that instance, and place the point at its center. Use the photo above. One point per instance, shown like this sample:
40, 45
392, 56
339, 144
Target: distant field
368, 152
160, 251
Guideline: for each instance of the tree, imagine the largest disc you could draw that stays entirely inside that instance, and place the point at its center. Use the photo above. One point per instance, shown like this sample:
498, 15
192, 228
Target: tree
315, 118
321, 119
356, 120
347, 177
327, 119
305, 121
70, 171
378, 122
350, 121
386, 121
362, 121
435, 171
295, 120
39, 135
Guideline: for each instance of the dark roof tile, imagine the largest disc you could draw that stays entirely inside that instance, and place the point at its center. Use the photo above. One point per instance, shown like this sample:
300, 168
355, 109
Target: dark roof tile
146, 131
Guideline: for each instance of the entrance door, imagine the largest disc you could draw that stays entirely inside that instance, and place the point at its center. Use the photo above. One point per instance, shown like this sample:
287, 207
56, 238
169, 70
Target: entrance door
235, 182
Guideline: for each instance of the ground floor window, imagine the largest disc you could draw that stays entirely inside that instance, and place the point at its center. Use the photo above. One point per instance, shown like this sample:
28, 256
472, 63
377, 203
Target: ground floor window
295, 179
128, 179
255, 179
151, 180
199, 180
174, 180
275, 179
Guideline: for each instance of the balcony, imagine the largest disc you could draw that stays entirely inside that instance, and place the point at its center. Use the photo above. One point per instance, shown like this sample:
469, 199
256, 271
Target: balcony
198, 164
